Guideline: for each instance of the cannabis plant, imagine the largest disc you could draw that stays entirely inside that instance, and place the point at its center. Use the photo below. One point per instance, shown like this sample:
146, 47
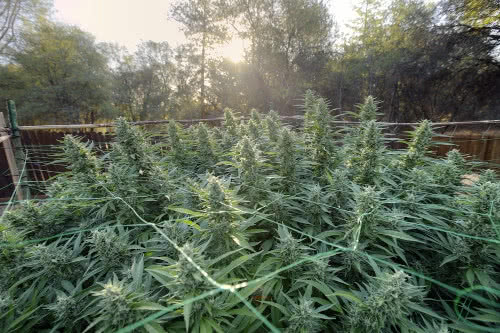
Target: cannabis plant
419, 143
40, 221
287, 160
67, 308
222, 221
12, 251
254, 130
282, 209
316, 206
366, 163
54, 260
273, 126
304, 317
206, 156
180, 233
256, 227
247, 157
116, 305
366, 213
448, 172
231, 124
110, 248
320, 137
132, 147
288, 252
175, 144
368, 111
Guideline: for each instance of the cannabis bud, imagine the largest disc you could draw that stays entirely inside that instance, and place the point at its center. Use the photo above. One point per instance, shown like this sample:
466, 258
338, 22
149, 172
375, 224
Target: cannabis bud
273, 126
289, 249
304, 317
115, 306
79, 155
5, 301
111, 249
387, 302
66, 309
420, 141
230, 123
368, 110
247, 156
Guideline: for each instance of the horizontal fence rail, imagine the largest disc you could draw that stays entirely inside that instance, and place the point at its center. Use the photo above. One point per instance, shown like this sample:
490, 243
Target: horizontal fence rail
191, 121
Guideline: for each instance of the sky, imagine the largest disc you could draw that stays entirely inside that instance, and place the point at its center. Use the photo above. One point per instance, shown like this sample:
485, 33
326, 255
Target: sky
127, 22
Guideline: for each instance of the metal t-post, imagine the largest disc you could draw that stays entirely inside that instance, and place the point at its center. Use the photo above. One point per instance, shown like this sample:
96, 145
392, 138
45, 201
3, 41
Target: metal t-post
19, 153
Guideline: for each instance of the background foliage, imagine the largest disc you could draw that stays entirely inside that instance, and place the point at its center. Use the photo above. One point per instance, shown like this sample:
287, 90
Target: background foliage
421, 59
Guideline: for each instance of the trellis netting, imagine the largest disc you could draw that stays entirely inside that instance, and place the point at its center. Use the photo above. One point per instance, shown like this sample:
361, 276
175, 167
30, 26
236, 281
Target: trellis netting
255, 227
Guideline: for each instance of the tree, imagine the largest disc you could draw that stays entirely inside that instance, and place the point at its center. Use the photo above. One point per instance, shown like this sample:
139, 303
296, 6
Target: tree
420, 64
290, 43
68, 74
13, 82
186, 82
202, 22
12, 15
478, 17
474, 13
142, 83
232, 86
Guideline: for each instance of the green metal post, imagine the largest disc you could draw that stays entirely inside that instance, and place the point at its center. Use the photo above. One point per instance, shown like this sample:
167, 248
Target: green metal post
18, 149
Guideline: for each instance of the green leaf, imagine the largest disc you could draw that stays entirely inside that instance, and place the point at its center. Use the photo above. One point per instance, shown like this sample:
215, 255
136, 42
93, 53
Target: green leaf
187, 314
448, 259
187, 211
205, 327
464, 328
347, 295
301, 220
191, 224
242, 312
215, 326
154, 328
160, 274
399, 235
327, 292
488, 317
235, 263
469, 276
149, 306
277, 306
227, 163
425, 310
23, 317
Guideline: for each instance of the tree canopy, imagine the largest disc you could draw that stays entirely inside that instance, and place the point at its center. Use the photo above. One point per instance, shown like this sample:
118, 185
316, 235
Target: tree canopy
63, 74
437, 60
15, 13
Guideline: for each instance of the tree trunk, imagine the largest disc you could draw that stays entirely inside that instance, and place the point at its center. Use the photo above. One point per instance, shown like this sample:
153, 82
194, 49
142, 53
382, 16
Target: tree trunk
92, 119
394, 104
341, 86
202, 94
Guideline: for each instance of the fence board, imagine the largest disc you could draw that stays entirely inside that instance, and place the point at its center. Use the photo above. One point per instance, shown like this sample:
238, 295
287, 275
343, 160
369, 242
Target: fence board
483, 145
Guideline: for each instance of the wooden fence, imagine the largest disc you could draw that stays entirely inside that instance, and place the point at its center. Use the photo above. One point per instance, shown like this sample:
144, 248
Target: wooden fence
41, 143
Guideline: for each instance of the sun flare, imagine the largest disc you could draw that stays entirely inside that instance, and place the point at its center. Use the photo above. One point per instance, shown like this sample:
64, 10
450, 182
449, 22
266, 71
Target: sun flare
233, 50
